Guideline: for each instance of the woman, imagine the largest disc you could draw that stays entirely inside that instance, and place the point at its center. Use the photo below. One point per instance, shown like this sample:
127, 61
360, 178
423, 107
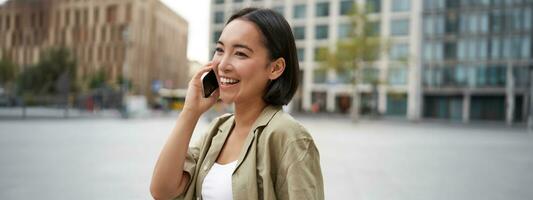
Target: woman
259, 152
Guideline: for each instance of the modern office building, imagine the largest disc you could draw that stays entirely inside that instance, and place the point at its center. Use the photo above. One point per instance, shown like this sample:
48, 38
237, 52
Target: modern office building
476, 59
320, 24
144, 41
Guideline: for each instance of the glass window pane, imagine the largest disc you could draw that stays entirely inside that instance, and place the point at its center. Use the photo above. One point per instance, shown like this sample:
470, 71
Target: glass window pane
322, 9
399, 27
216, 35
299, 11
279, 9
373, 6
219, 17
399, 51
321, 32
373, 28
319, 75
397, 76
495, 49
344, 30
346, 7
299, 33
301, 54
526, 47
401, 5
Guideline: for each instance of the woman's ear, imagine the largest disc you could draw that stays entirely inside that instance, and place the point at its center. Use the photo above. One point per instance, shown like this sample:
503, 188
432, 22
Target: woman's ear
276, 68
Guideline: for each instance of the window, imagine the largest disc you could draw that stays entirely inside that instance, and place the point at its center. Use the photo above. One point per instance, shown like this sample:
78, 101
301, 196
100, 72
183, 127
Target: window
238, 1
450, 50
527, 19
301, 54
397, 76
96, 15
320, 53
370, 75
428, 25
401, 5
484, 22
219, 17
111, 14
299, 33
399, 27
426, 51
319, 75
128, 12
321, 32
373, 6
346, 7
299, 11
399, 51
216, 36
496, 21
322, 9
526, 47
451, 23
495, 49
219, 1
373, 28
279, 9
344, 30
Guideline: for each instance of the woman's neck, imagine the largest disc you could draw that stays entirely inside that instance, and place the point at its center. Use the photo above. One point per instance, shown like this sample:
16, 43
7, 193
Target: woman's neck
247, 112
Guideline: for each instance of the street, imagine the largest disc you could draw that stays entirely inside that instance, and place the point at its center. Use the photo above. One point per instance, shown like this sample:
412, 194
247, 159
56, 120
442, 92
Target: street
376, 160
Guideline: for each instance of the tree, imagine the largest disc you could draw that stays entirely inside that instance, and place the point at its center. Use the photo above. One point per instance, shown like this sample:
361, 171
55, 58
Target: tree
56, 69
362, 47
8, 72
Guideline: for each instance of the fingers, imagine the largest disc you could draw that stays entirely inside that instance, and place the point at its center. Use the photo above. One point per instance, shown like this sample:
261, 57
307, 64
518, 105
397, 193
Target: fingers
205, 69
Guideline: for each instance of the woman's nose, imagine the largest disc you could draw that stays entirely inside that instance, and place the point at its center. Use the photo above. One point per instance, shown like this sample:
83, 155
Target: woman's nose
223, 63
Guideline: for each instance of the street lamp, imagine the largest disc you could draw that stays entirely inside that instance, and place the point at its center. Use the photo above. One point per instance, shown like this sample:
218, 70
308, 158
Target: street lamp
125, 84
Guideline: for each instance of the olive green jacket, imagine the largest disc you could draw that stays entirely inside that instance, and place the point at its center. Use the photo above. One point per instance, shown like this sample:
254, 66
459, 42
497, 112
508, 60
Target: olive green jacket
279, 159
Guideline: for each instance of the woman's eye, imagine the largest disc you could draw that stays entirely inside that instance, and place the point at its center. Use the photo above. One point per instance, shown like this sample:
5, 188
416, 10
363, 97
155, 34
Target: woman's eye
241, 54
218, 50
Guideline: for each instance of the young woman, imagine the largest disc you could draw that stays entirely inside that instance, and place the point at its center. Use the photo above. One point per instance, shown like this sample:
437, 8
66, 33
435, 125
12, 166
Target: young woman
258, 152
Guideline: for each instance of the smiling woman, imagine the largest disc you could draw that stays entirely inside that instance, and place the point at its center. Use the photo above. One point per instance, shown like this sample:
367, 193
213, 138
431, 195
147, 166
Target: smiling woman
258, 152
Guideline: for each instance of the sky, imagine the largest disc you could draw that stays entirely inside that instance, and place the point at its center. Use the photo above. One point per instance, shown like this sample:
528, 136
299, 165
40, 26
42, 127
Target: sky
196, 12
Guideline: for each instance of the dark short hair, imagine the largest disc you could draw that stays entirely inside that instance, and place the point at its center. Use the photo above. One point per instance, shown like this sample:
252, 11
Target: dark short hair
278, 39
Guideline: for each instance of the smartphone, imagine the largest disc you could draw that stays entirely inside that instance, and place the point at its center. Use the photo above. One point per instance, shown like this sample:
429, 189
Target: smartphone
210, 83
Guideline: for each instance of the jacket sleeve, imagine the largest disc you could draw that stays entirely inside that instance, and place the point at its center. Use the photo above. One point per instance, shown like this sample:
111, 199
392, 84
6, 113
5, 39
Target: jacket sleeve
191, 160
300, 175
193, 154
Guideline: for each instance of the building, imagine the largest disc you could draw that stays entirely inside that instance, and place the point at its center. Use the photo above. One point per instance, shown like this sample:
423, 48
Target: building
320, 24
476, 59
143, 41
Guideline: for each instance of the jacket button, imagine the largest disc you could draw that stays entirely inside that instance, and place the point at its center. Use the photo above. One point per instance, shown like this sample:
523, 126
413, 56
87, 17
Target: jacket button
205, 168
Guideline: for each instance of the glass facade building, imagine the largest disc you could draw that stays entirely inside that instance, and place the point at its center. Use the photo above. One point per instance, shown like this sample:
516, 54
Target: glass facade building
476, 59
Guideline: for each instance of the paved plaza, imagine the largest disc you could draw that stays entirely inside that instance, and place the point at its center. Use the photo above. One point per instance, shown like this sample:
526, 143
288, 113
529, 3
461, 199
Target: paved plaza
373, 159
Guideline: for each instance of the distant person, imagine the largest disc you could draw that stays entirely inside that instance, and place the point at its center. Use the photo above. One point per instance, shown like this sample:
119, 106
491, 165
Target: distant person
257, 152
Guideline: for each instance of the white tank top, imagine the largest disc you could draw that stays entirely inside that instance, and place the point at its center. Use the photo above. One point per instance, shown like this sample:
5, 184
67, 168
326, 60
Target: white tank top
217, 183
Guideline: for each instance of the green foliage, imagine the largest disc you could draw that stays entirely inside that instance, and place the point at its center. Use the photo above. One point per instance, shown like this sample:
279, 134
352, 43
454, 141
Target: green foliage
98, 79
8, 71
55, 70
363, 46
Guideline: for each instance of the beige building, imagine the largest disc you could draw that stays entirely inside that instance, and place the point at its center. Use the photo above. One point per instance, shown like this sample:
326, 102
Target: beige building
143, 40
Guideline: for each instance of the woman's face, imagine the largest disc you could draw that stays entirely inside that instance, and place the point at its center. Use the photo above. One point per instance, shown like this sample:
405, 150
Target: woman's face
241, 63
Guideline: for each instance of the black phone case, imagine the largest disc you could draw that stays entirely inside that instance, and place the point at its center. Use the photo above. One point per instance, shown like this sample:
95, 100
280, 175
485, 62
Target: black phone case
210, 83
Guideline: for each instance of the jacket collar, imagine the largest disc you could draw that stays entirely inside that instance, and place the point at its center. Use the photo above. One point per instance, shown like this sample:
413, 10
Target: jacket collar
264, 118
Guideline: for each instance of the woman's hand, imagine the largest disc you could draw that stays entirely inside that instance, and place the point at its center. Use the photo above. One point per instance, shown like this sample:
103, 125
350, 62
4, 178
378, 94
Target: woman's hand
194, 100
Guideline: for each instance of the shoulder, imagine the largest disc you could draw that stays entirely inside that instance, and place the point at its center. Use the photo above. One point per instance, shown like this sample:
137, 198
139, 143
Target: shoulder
284, 128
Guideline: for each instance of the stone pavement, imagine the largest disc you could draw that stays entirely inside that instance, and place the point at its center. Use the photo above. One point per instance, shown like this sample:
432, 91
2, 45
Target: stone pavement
113, 159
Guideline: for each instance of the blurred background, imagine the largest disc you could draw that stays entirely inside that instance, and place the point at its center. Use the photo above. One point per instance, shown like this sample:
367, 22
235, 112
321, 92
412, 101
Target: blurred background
406, 99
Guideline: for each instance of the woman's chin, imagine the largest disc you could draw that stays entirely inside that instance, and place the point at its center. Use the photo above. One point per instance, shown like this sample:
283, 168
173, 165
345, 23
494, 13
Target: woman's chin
227, 100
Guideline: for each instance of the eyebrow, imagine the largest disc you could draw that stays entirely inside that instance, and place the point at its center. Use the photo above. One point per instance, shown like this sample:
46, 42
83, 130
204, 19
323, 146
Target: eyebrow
238, 46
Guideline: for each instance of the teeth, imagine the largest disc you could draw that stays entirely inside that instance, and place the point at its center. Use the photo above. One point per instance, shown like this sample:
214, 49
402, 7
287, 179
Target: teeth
228, 80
